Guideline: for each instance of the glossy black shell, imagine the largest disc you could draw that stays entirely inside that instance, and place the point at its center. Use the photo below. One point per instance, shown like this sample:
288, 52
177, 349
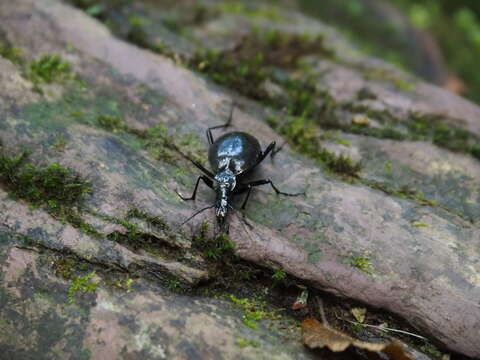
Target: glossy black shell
237, 150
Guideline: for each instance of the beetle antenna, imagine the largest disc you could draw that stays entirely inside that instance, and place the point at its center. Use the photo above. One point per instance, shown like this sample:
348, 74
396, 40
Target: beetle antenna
196, 213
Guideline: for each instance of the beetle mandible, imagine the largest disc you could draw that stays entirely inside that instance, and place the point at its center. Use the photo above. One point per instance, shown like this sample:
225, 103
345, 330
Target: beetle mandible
231, 157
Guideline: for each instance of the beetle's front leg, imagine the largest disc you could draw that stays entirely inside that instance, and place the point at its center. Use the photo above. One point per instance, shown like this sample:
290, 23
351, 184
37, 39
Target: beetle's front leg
205, 179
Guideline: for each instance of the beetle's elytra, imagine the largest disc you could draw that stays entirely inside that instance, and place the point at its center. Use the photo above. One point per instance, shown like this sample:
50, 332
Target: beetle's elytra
231, 156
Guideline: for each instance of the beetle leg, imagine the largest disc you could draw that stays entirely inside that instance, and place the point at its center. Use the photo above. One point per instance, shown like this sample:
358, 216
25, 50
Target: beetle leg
277, 149
271, 149
205, 180
227, 124
252, 184
264, 154
202, 168
246, 197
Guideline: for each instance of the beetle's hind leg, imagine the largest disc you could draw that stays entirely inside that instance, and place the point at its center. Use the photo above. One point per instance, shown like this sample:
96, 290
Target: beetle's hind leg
227, 124
205, 179
248, 187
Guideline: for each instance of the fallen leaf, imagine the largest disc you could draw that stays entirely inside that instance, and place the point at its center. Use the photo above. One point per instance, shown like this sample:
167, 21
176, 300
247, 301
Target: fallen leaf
359, 314
316, 335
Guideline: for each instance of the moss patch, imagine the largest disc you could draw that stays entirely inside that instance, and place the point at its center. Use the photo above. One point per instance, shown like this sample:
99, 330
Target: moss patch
135, 237
243, 343
48, 69
404, 192
217, 249
60, 191
11, 53
444, 135
362, 263
303, 135
279, 275
420, 127
111, 122
246, 67
383, 74
254, 310
55, 187
83, 284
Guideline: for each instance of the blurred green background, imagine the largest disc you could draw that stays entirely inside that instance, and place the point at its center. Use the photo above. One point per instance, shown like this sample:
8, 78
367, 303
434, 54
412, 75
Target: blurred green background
438, 40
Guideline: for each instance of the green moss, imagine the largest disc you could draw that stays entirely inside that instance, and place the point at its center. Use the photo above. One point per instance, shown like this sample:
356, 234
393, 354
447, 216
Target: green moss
191, 145
404, 192
49, 69
156, 221
11, 53
56, 188
383, 74
76, 220
83, 284
279, 275
340, 164
133, 238
136, 33
362, 263
60, 191
357, 329
245, 75
247, 67
217, 248
475, 151
173, 285
64, 267
243, 343
388, 168
160, 143
161, 243
251, 10
111, 122
448, 136
385, 132
301, 98
302, 134
250, 323
431, 350
419, 128
254, 310
60, 143
164, 146
125, 285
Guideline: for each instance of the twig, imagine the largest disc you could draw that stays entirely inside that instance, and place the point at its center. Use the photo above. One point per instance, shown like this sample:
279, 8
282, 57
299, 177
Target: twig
384, 328
321, 310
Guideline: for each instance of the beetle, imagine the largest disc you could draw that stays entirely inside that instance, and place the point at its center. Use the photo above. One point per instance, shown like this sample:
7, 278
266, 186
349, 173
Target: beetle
231, 157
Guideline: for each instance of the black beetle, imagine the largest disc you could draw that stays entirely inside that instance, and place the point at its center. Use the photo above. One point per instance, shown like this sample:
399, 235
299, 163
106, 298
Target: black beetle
231, 156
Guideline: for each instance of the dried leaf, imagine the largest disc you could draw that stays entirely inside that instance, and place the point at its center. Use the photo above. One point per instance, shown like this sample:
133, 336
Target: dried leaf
359, 314
316, 335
